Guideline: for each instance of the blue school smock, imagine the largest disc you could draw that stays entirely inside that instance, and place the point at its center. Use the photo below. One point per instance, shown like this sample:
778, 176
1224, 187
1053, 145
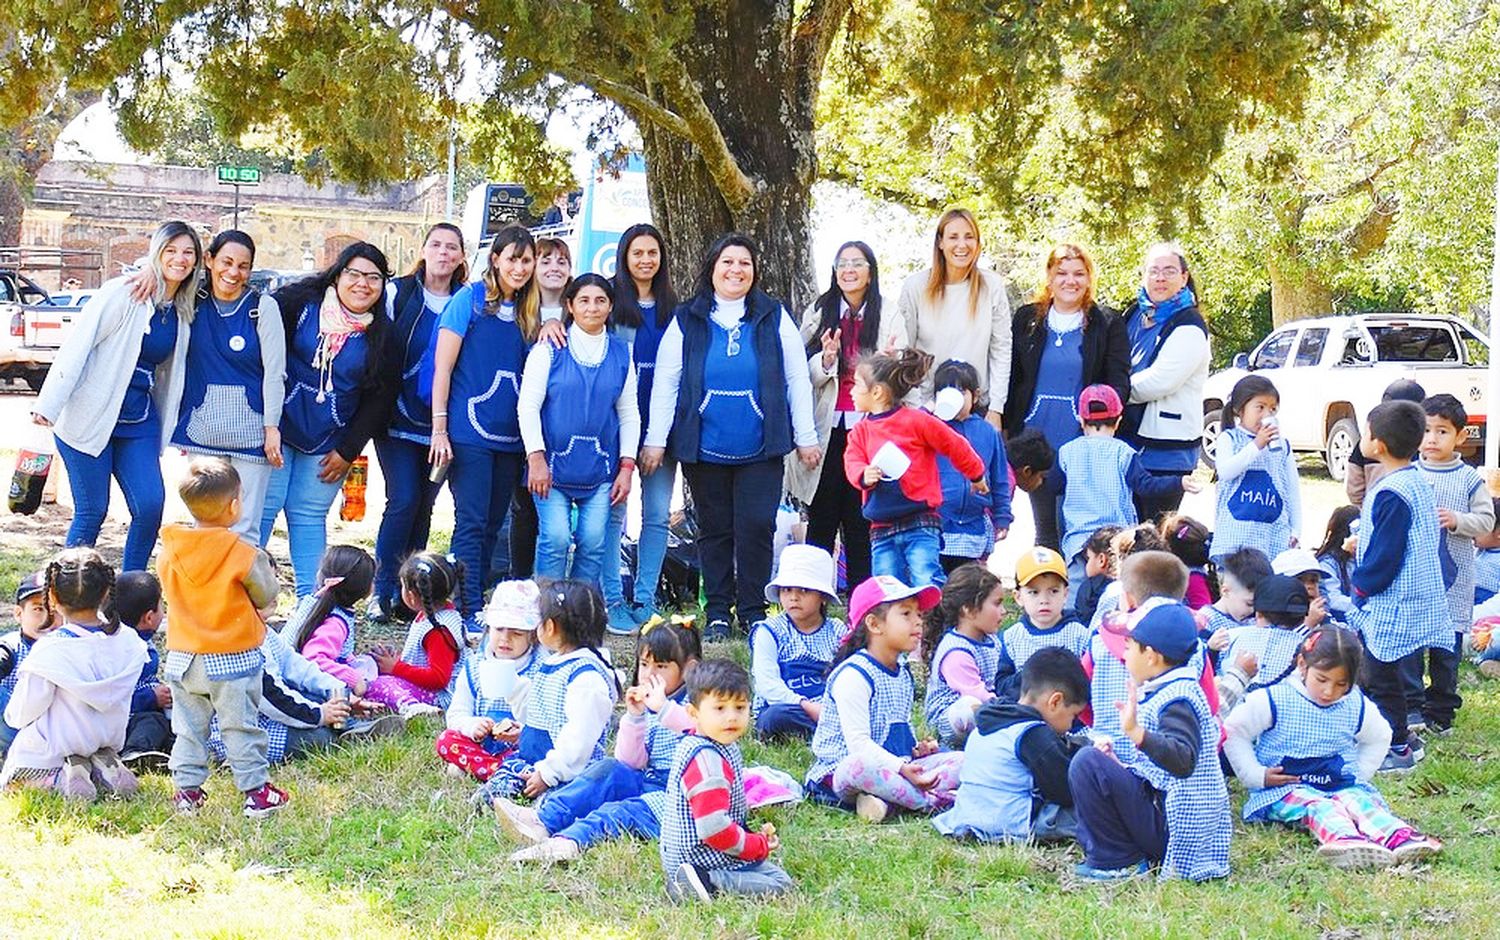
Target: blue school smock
546, 712
223, 405
1059, 380
312, 418
139, 416
485, 389
580, 426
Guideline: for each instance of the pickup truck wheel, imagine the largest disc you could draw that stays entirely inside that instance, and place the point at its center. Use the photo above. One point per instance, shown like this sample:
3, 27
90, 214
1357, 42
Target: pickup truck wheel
1343, 437
1211, 428
35, 379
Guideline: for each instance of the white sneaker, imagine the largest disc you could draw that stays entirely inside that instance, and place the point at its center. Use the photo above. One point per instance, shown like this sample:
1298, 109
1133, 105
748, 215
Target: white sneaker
521, 823
419, 710
871, 808
453, 770
549, 851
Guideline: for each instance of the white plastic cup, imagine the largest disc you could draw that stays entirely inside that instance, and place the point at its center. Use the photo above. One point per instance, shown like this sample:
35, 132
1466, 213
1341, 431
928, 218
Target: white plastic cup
497, 677
891, 462
948, 403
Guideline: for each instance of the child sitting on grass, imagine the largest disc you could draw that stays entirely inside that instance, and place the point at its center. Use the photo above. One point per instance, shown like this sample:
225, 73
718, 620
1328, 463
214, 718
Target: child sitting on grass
481, 730
1239, 575
1188, 539
962, 655
1014, 782
706, 848
36, 620
1042, 592
136, 601
1308, 748
791, 653
419, 680
1127, 542
322, 627
1166, 804
72, 696
1266, 653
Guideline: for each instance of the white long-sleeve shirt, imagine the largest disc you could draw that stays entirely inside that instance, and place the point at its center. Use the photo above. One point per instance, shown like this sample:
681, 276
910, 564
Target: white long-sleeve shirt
851, 693
1172, 387
946, 330
1253, 717
726, 313
588, 350
765, 670
586, 709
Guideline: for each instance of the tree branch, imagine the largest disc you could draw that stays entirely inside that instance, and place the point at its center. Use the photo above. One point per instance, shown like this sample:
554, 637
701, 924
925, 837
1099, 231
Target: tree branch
737, 188
813, 35
632, 99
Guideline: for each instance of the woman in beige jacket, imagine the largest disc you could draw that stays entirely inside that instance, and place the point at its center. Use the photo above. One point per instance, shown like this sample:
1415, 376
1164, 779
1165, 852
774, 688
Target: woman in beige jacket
840, 327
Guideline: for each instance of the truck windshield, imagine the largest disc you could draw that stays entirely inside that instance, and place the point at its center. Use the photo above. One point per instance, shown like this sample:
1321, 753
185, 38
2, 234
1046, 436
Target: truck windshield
1408, 343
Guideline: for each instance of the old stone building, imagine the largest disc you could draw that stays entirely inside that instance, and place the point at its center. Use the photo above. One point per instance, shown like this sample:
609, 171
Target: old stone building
114, 207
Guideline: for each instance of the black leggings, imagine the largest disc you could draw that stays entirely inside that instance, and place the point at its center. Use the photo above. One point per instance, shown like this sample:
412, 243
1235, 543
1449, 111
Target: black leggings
837, 508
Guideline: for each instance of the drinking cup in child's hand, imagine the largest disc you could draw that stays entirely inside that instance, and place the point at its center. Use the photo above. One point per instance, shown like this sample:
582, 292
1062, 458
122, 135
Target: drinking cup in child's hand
334, 712
1268, 432
773, 841
1247, 664
872, 475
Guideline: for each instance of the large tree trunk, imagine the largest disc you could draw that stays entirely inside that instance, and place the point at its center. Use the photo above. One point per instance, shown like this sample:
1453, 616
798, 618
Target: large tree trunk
12, 206
1297, 292
740, 58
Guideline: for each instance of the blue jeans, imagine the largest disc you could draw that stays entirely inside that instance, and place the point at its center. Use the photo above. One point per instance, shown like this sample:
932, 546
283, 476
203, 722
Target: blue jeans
789, 721
615, 820
135, 462
407, 516
482, 481
760, 878
557, 529
601, 782
295, 488
910, 556
651, 550
609, 576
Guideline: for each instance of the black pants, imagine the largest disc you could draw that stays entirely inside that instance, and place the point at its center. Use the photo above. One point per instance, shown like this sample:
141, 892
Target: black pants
148, 731
1152, 508
523, 534
1384, 684
1439, 701
1044, 511
837, 509
952, 563
736, 505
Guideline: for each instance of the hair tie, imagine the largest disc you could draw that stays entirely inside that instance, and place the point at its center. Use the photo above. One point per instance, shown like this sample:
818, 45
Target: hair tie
328, 585
1311, 641
1182, 531
451, 558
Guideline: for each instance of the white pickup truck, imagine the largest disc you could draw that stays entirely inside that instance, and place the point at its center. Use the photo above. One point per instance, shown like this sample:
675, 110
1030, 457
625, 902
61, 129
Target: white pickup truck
1331, 371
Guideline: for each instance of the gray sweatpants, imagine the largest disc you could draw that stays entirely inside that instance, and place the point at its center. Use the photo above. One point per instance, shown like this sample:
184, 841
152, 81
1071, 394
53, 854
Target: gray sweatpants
196, 699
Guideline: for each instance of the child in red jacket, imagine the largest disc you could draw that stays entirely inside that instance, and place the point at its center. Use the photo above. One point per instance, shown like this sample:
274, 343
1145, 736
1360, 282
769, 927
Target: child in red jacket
891, 458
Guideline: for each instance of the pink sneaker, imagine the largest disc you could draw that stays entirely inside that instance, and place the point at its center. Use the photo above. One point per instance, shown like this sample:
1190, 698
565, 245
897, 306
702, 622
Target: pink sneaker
263, 802
1415, 846
188, 800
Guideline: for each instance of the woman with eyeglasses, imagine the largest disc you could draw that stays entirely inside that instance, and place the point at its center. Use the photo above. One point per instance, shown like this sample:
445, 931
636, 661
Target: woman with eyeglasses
337, 396
1169, 355
1062, 342
731, 389
482, 343
112, 395
843, 325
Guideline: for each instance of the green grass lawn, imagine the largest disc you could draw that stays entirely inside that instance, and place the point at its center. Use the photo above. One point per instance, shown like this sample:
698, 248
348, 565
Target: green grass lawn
378, 842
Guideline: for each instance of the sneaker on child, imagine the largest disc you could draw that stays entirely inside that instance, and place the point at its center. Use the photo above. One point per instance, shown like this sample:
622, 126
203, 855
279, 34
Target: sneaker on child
263, 802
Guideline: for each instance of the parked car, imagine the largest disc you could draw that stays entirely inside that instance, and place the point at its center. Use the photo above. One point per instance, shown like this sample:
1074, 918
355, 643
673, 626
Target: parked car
26, 353
1332, 370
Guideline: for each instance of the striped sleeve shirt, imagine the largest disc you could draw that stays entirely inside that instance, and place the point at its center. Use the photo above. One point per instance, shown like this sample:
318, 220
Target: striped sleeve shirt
706, 781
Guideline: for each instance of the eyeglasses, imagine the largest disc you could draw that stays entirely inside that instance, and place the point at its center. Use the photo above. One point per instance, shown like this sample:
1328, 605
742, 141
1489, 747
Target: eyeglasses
354, 275
1163, 272
856, 264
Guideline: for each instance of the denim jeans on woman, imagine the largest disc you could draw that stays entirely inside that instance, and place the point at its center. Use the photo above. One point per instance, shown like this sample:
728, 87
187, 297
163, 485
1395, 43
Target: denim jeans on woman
407, 517
295, 488
136, 463
482, 481
558, 527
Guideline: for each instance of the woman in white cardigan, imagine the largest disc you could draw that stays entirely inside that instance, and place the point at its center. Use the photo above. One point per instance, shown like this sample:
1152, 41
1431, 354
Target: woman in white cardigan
111, 396
955, 309
844, 324
1169, 355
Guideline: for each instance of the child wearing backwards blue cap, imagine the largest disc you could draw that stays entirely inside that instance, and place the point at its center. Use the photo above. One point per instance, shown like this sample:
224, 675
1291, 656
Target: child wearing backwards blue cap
1169, 804
35, 620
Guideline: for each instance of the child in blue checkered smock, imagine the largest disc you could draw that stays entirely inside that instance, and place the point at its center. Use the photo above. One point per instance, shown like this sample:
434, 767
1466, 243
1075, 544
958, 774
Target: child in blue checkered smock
419, 679
962, 655
481, 730
1167, 804
1258, 504
865, 755
1239, 574
1266, 653
564, 709
1465, 511
1307, 750
298, 710
1042, 591
791, 653
622, 795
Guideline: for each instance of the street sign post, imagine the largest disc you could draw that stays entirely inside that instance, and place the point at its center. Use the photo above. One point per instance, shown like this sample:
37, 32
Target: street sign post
238, 176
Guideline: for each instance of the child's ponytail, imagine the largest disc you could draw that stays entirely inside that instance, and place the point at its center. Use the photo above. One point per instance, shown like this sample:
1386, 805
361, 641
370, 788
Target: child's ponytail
900, 371
577, 608
80, 579
346, 575
433, 578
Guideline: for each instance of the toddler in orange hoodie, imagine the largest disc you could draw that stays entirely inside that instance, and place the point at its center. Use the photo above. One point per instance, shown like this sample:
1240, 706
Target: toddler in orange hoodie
216, 585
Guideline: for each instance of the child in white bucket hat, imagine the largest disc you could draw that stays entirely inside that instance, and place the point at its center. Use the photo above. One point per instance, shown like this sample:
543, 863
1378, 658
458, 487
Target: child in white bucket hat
481, 731
790, 652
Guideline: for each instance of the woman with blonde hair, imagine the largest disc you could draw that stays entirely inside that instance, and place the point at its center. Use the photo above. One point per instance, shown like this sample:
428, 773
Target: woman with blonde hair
1061, 343
954, 309
112, 395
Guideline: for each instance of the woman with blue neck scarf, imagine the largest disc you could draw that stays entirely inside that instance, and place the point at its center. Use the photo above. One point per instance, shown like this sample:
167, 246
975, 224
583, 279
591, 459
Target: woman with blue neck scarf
1168, 366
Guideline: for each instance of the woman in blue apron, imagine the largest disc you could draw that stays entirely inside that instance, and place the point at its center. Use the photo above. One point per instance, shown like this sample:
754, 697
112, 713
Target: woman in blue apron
413, 303
644, 304
481, 348
336, 395
732, 390
580, 423
236, 373
111, 396
1062, 343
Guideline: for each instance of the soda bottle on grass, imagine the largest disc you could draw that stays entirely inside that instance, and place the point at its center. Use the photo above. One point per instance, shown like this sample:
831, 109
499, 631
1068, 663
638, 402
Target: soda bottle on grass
353, 508
33, 464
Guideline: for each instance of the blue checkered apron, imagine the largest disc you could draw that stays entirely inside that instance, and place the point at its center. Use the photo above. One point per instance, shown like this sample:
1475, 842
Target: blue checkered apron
661, 742
941, 695
1021, 640
1274, 648
16, 642
412, 652
1197, 807
1095, 493
891, 696
802, 658
1107, 687
546, 711
1453, 488
1301, 728
1251, 511
679, 834
1404, 618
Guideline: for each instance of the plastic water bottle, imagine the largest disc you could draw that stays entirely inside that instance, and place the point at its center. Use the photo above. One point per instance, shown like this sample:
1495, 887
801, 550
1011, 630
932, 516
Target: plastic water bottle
33, 464
353, 508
